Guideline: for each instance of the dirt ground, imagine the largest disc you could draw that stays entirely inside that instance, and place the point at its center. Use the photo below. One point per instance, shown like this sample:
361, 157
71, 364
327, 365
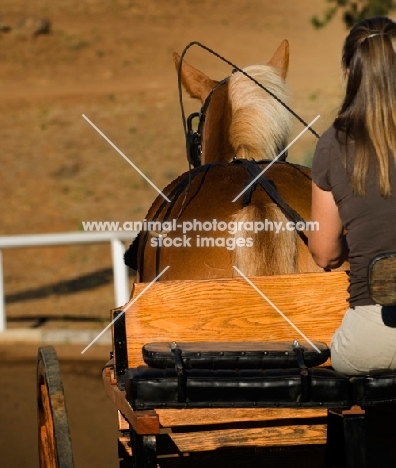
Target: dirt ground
112, 62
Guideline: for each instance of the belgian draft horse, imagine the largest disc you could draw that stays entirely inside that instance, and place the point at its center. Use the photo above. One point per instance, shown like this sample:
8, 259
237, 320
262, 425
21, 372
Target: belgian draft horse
205, 229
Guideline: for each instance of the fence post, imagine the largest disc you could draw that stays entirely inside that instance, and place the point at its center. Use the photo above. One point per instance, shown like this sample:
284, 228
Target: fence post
120, 271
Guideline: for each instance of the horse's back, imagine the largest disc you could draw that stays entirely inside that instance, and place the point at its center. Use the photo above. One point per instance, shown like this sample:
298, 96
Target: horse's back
201, 221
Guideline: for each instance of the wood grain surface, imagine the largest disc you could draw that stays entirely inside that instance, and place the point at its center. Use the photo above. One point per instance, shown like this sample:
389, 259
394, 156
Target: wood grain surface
276, 308
233, 310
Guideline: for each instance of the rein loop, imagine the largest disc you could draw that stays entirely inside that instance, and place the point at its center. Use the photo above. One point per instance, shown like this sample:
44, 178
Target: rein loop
235, 68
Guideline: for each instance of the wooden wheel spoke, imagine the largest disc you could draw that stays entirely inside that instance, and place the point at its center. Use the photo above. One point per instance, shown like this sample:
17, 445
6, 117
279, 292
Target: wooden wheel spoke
55, 450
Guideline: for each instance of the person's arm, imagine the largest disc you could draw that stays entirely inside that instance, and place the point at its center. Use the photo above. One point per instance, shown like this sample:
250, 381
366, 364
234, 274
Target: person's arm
327, 243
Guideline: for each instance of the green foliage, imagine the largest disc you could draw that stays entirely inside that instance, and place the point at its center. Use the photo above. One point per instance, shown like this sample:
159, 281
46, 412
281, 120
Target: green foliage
354, 11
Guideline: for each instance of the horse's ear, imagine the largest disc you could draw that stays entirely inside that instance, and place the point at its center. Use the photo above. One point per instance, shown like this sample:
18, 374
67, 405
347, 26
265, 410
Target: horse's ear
196, 83
280, 59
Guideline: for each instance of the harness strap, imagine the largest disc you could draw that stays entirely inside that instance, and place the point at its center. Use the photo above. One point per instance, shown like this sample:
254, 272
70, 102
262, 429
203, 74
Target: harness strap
254, 170
174, 196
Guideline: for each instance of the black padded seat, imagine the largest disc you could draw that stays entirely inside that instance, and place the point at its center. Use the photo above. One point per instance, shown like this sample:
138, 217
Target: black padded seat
148, 387
374, 389
234, 355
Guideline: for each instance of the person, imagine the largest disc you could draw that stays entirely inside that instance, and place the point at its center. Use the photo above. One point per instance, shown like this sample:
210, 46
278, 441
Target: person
354, 194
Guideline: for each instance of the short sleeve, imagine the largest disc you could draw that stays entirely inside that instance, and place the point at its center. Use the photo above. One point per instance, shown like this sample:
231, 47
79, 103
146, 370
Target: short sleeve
321, 160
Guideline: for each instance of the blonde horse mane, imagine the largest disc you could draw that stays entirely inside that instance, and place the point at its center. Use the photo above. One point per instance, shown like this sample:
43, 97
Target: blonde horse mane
260, 124
271, 253
260, 128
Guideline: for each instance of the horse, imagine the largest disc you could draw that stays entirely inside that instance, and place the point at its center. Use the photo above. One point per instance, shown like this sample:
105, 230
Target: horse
202, 227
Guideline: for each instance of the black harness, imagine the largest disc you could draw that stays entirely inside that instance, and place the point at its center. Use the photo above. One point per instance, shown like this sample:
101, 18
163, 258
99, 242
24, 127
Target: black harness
168, 207
194, 152
255, 171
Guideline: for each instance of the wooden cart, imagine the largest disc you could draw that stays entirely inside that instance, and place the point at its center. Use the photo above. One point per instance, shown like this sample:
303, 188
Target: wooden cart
156, 423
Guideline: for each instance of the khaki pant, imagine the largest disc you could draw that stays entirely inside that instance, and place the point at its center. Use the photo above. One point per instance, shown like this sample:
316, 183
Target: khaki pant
365, 340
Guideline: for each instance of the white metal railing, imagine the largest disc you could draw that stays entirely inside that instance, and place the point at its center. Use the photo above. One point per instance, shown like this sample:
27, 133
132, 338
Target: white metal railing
116, 239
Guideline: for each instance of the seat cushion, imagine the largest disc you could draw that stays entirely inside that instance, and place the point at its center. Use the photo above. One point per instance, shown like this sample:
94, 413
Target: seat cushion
148, 387
234, 355
374, 389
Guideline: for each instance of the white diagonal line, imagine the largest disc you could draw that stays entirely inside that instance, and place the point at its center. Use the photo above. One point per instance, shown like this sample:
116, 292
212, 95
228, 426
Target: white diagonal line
279, 155
124, 310
276, 308
126, 159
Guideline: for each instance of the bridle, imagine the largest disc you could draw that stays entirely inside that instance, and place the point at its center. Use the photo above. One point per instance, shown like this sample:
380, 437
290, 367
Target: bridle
194, 138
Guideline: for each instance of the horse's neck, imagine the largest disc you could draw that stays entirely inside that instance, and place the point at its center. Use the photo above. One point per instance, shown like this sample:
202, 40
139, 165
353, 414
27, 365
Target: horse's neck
224, 140
243, 152
217, 148
217, 156
216, 144
244, 132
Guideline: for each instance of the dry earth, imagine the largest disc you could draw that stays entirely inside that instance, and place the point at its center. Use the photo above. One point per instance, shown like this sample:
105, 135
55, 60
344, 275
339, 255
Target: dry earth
111, 60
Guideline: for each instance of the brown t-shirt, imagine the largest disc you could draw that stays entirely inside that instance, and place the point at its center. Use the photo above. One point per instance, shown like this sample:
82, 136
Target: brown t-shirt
370, 220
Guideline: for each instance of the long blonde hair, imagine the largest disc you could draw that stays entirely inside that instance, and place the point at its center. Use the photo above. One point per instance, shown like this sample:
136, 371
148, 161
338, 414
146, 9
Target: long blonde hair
368, 112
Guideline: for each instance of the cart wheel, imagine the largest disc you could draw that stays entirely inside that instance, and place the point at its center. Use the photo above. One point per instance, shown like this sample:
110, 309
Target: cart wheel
55, 450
